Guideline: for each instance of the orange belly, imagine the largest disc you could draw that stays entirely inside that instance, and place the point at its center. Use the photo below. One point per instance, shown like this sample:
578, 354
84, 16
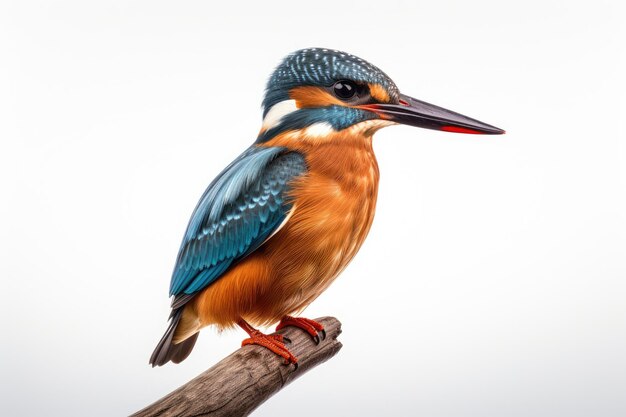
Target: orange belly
333, 209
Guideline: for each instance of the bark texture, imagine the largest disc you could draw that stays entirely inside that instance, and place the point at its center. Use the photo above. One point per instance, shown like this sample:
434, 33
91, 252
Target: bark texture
245, 379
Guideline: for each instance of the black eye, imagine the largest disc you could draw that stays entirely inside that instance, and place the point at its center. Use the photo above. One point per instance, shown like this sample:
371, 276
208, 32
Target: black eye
344, 89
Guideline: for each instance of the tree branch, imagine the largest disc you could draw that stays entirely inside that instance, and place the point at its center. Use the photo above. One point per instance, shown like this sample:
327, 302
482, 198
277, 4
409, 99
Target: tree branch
245, 379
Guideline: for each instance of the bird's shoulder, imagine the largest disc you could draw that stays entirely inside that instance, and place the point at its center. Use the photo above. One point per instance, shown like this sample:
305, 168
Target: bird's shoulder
239, 210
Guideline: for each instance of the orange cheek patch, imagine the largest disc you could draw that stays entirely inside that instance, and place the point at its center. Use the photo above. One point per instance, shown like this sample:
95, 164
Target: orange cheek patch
308, 96
379, 93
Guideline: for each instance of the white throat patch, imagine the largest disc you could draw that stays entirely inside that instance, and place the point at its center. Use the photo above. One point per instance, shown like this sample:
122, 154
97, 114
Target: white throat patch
319, 129
277, 112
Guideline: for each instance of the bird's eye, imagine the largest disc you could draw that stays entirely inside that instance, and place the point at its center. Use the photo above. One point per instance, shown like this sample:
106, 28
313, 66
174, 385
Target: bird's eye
345, 89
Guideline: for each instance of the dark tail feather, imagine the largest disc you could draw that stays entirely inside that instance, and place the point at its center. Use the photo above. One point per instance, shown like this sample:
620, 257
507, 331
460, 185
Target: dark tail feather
179, 352
166, 350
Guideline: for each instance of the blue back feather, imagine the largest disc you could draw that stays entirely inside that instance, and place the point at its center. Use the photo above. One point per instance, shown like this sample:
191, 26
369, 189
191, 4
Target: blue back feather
241, 208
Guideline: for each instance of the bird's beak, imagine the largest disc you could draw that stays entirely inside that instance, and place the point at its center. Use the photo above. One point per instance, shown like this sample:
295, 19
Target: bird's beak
418, 113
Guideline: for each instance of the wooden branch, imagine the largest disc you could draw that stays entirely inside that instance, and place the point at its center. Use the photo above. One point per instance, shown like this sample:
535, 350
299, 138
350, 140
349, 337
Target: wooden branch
245, 379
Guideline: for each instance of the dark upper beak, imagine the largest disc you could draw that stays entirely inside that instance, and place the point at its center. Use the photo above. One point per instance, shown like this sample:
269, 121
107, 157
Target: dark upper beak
418, 113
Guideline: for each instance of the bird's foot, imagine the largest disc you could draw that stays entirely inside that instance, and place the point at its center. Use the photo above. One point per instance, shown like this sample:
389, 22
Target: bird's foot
312, 327
274, 342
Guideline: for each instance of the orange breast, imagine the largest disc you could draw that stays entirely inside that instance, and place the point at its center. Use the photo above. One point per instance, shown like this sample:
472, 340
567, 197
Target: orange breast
333, 209
332, 216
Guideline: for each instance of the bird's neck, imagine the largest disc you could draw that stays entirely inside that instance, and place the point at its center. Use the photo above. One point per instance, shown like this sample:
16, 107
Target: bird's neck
336, 154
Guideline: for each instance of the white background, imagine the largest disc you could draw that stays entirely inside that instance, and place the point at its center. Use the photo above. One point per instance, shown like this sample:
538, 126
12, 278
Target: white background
493, 280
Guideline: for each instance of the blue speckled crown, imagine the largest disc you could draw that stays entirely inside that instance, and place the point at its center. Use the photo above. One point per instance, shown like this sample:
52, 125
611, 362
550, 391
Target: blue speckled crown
322, 67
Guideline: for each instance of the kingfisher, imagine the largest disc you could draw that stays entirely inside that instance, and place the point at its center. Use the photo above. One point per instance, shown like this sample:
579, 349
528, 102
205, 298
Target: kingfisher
282, 221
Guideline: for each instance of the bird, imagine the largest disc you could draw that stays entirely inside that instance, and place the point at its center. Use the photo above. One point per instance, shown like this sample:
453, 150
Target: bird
282, 221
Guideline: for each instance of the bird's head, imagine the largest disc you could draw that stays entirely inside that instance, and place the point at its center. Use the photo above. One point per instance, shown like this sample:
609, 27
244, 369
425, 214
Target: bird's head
325, 91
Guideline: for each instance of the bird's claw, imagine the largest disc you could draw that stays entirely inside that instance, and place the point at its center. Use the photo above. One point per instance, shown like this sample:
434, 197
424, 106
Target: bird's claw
320, 336
314, 329
274, 343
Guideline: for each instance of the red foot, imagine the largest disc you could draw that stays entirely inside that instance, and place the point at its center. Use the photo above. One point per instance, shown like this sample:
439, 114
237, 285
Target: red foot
273, 342
310, 326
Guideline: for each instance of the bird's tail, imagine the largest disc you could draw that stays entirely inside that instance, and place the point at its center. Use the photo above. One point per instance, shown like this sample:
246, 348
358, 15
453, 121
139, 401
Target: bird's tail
166, 349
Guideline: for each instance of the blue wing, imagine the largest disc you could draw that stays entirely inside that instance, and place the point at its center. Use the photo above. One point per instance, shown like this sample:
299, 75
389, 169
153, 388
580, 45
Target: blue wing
241, 208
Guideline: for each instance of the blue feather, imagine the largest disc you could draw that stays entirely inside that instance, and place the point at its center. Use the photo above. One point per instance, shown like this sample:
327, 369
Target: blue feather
241, 208
321, 67
339, 117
